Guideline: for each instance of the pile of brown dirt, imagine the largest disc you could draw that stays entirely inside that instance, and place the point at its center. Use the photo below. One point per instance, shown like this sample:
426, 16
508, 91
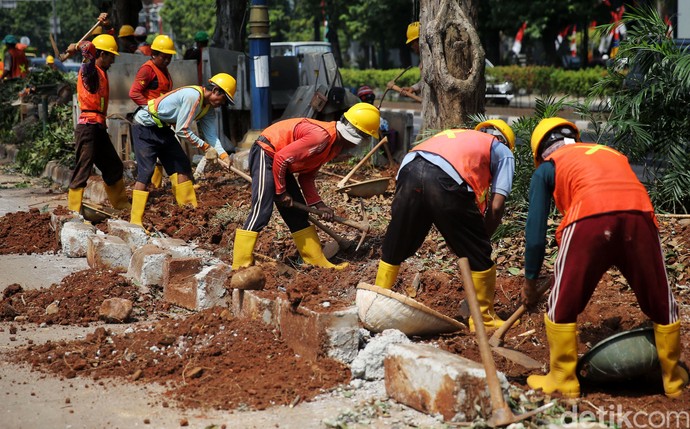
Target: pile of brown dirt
77, 298
209, 360
27, 232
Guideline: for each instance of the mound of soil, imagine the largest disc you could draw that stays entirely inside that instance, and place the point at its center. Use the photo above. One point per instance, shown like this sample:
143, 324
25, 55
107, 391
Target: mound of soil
76, 300
209, 360
27, 232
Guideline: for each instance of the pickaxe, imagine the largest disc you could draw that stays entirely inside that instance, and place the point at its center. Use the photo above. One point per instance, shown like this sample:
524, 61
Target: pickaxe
362, 226
101, 19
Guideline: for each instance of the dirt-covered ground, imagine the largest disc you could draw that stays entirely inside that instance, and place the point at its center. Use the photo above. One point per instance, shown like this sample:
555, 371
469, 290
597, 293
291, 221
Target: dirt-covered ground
213, 360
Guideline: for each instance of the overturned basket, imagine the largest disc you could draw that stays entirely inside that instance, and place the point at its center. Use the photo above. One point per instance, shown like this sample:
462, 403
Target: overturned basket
380, 309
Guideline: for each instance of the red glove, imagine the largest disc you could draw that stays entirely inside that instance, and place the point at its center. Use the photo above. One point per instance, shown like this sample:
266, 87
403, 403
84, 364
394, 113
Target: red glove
88, 50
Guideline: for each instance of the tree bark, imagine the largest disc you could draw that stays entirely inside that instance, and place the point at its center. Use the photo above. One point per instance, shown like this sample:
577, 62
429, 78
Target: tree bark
452, 61
229, 30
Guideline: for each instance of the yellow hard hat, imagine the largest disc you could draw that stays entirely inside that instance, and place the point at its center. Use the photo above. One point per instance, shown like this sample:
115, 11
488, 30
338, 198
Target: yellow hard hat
50, 59
98, 30
125, 31
163, 43
412, 32
227, 83
106, 42
502, 127
365, 117
543, 130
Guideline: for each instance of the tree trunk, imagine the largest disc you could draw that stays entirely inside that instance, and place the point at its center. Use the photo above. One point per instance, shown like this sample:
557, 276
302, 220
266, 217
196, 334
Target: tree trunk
452, 60
229, 30
124, 12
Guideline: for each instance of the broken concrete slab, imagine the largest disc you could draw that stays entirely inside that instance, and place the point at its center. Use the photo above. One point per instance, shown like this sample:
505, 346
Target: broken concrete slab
368, 364
74, 238
435, 381
188, 284
108, 252
178, 248
134, 235
146, 265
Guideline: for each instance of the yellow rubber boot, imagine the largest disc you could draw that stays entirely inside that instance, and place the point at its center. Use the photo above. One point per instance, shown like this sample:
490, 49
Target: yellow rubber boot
386, 275
185, 194
309, 247
667, 339
74, 198
243, 247
173, 182
138, 206
563, 358
157, 178
485, 286
118, 196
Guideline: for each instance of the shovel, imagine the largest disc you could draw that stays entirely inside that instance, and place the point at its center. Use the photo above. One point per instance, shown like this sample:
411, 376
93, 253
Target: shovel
367, 188
501, 414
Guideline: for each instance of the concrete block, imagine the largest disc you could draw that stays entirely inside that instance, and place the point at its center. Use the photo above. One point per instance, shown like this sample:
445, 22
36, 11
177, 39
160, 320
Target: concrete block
368, 364
249, 305
134, 235
186, 283
146, 265
313, 334
57, 221
176, 247
434, 381
108, 252
74, 237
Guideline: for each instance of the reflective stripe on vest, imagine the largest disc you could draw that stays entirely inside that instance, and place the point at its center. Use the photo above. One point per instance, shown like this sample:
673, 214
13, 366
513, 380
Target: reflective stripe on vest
94, 107
469, 153
592, 179
153, 104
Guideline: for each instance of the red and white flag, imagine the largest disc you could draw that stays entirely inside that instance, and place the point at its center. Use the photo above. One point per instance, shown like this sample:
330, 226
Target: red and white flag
517, 44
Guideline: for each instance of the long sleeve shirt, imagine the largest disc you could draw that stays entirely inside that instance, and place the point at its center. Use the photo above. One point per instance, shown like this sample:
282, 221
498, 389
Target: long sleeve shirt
541, 190
180, 108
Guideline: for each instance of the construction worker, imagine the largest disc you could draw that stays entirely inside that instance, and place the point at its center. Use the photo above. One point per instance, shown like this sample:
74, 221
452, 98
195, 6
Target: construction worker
15, 64
143, 48
195, 52
413, 43
298, 146
153, 137
153, 80
457, 180
128, 44
608, 219
50, 62
93, 145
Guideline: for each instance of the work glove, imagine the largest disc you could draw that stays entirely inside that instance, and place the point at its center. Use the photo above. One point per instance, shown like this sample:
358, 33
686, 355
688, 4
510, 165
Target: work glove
529, 295
225, 161
211, 154
283, 200
88, 50
326, 212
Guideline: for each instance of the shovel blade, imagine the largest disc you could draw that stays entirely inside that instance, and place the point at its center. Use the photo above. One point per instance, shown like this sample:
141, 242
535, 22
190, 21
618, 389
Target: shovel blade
517, 357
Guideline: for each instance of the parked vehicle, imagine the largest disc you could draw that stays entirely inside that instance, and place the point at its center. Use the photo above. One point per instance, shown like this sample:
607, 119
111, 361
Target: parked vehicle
297, 49
499, 92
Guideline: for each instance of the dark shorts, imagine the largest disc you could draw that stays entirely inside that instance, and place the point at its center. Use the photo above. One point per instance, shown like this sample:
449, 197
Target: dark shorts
425, 195
151, 143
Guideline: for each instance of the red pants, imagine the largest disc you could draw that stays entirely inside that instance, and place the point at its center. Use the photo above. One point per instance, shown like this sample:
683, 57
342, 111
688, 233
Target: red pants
589, 247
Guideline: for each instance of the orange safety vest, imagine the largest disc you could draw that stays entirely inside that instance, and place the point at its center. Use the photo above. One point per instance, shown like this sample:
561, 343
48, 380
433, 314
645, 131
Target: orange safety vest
153, 105
469, 153
145, 50
592, 179
281, 134
94, 107
20, 65
164, 82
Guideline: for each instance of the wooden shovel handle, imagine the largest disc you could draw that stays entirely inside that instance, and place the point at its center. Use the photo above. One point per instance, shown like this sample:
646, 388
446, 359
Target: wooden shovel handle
358, 225
395, 87
497, 401
344, 180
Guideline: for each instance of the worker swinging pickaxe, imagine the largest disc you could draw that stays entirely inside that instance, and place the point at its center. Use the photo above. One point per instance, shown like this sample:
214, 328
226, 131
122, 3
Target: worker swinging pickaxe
102, 20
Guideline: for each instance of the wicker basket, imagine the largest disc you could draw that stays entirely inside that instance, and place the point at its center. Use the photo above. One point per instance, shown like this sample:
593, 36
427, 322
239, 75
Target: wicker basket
381, 309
